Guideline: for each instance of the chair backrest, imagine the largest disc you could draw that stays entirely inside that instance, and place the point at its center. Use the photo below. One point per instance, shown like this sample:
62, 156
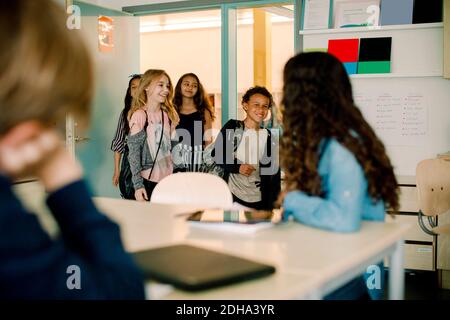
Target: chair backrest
195, 188
433, 185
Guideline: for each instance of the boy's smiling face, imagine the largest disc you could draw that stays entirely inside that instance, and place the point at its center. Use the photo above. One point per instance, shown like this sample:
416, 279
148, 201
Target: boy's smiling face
257, 107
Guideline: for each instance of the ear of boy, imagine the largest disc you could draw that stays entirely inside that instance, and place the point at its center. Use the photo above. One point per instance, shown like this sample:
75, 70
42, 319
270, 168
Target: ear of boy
21, 133
20, 149
30, 149
24, 148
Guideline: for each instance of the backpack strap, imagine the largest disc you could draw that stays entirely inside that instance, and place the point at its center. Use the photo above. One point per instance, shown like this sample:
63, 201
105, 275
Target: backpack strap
159, 145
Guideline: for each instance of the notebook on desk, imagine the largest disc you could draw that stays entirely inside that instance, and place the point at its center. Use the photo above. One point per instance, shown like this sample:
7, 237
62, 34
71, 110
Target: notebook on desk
243, 222
193, 268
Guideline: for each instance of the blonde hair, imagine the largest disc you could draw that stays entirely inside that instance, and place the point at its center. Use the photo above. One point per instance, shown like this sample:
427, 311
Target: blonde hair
140, 99
46, 71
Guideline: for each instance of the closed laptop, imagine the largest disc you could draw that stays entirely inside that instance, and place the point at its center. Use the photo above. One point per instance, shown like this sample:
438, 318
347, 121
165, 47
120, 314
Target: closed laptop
193, 268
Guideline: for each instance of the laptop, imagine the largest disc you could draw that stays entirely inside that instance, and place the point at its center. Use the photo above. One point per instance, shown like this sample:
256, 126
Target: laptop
193, 268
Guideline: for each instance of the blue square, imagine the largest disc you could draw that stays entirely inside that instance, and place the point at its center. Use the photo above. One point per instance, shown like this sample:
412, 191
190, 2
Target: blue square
351, 67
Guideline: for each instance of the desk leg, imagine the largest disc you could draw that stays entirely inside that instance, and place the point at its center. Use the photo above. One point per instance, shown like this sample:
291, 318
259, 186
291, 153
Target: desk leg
397, 273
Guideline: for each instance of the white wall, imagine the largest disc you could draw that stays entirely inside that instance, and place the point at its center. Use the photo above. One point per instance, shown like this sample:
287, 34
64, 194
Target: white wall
199, 51
112, 70
416, 69
179, 52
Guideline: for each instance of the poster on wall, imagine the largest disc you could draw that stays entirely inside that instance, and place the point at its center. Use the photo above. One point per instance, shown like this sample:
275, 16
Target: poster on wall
358, 13
105, 34
316, 14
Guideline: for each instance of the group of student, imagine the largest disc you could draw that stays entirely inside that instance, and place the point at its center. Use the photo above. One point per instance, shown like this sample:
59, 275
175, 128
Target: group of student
163, 132
337, 172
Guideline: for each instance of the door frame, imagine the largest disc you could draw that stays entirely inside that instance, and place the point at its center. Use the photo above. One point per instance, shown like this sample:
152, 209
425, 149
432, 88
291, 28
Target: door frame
228, 36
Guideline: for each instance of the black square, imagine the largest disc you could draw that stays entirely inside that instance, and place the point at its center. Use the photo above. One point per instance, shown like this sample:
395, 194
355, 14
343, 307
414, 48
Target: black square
375, 49
427, 11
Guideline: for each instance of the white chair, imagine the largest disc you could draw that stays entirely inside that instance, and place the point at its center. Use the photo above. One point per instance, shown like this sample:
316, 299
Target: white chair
194, 188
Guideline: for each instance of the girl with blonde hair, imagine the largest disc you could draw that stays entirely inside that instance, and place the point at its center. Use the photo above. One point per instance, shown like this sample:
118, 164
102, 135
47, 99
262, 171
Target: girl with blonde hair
152, 121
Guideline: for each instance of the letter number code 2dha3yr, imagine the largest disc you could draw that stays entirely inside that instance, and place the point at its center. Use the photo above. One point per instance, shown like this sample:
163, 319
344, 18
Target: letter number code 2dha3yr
228, 309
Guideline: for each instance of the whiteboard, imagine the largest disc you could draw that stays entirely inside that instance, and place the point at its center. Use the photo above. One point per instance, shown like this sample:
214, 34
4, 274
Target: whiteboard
433, 134
408, 108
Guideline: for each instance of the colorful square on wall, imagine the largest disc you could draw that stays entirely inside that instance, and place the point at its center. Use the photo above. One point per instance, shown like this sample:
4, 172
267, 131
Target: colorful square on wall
105, 34
375, 55
346, 50
351, 67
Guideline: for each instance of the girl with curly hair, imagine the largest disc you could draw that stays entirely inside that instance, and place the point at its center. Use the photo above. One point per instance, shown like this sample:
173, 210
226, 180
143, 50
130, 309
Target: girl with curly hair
337, 172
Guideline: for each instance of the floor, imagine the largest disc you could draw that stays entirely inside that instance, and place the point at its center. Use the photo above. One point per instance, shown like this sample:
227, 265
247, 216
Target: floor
423, 285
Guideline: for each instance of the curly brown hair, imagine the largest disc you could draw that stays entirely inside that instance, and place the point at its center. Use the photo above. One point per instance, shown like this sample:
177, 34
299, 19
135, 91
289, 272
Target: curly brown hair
201, 99
318, 104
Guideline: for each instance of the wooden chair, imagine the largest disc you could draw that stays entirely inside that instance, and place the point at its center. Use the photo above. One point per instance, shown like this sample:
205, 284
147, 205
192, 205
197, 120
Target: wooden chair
433, 185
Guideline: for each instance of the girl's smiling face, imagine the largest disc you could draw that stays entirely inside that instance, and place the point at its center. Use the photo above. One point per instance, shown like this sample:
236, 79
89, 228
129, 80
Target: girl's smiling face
159, 90
189, 87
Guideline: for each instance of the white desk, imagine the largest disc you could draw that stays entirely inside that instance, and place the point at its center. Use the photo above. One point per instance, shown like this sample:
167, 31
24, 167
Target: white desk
310, 262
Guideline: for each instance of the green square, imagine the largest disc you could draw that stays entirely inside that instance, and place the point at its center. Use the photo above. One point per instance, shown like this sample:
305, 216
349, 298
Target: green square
374, 67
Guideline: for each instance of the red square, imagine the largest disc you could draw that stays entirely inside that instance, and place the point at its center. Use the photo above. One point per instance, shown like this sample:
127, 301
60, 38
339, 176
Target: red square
346, 50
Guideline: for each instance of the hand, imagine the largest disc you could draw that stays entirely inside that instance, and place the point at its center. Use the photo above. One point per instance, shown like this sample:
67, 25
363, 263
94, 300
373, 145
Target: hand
30, 149
280, 199
246, 169
115, 179
141, 194
282, 194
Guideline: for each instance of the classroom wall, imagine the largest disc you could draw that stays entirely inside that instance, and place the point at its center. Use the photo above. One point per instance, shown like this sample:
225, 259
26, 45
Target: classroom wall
408, 107
176, 52
111, 71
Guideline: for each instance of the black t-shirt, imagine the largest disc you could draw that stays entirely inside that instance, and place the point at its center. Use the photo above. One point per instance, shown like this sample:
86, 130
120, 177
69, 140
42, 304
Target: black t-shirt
190, 132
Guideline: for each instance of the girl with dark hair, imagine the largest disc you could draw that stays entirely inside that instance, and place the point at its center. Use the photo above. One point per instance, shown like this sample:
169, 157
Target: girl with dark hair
118, 144
196, 118
249, 154
337, 172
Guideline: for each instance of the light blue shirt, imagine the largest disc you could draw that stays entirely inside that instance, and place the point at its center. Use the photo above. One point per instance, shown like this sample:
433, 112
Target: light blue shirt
346, 201
344, 204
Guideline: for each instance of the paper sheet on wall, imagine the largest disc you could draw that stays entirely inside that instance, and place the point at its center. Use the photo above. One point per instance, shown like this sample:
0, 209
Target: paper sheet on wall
356, 13
316, 15
398, 119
